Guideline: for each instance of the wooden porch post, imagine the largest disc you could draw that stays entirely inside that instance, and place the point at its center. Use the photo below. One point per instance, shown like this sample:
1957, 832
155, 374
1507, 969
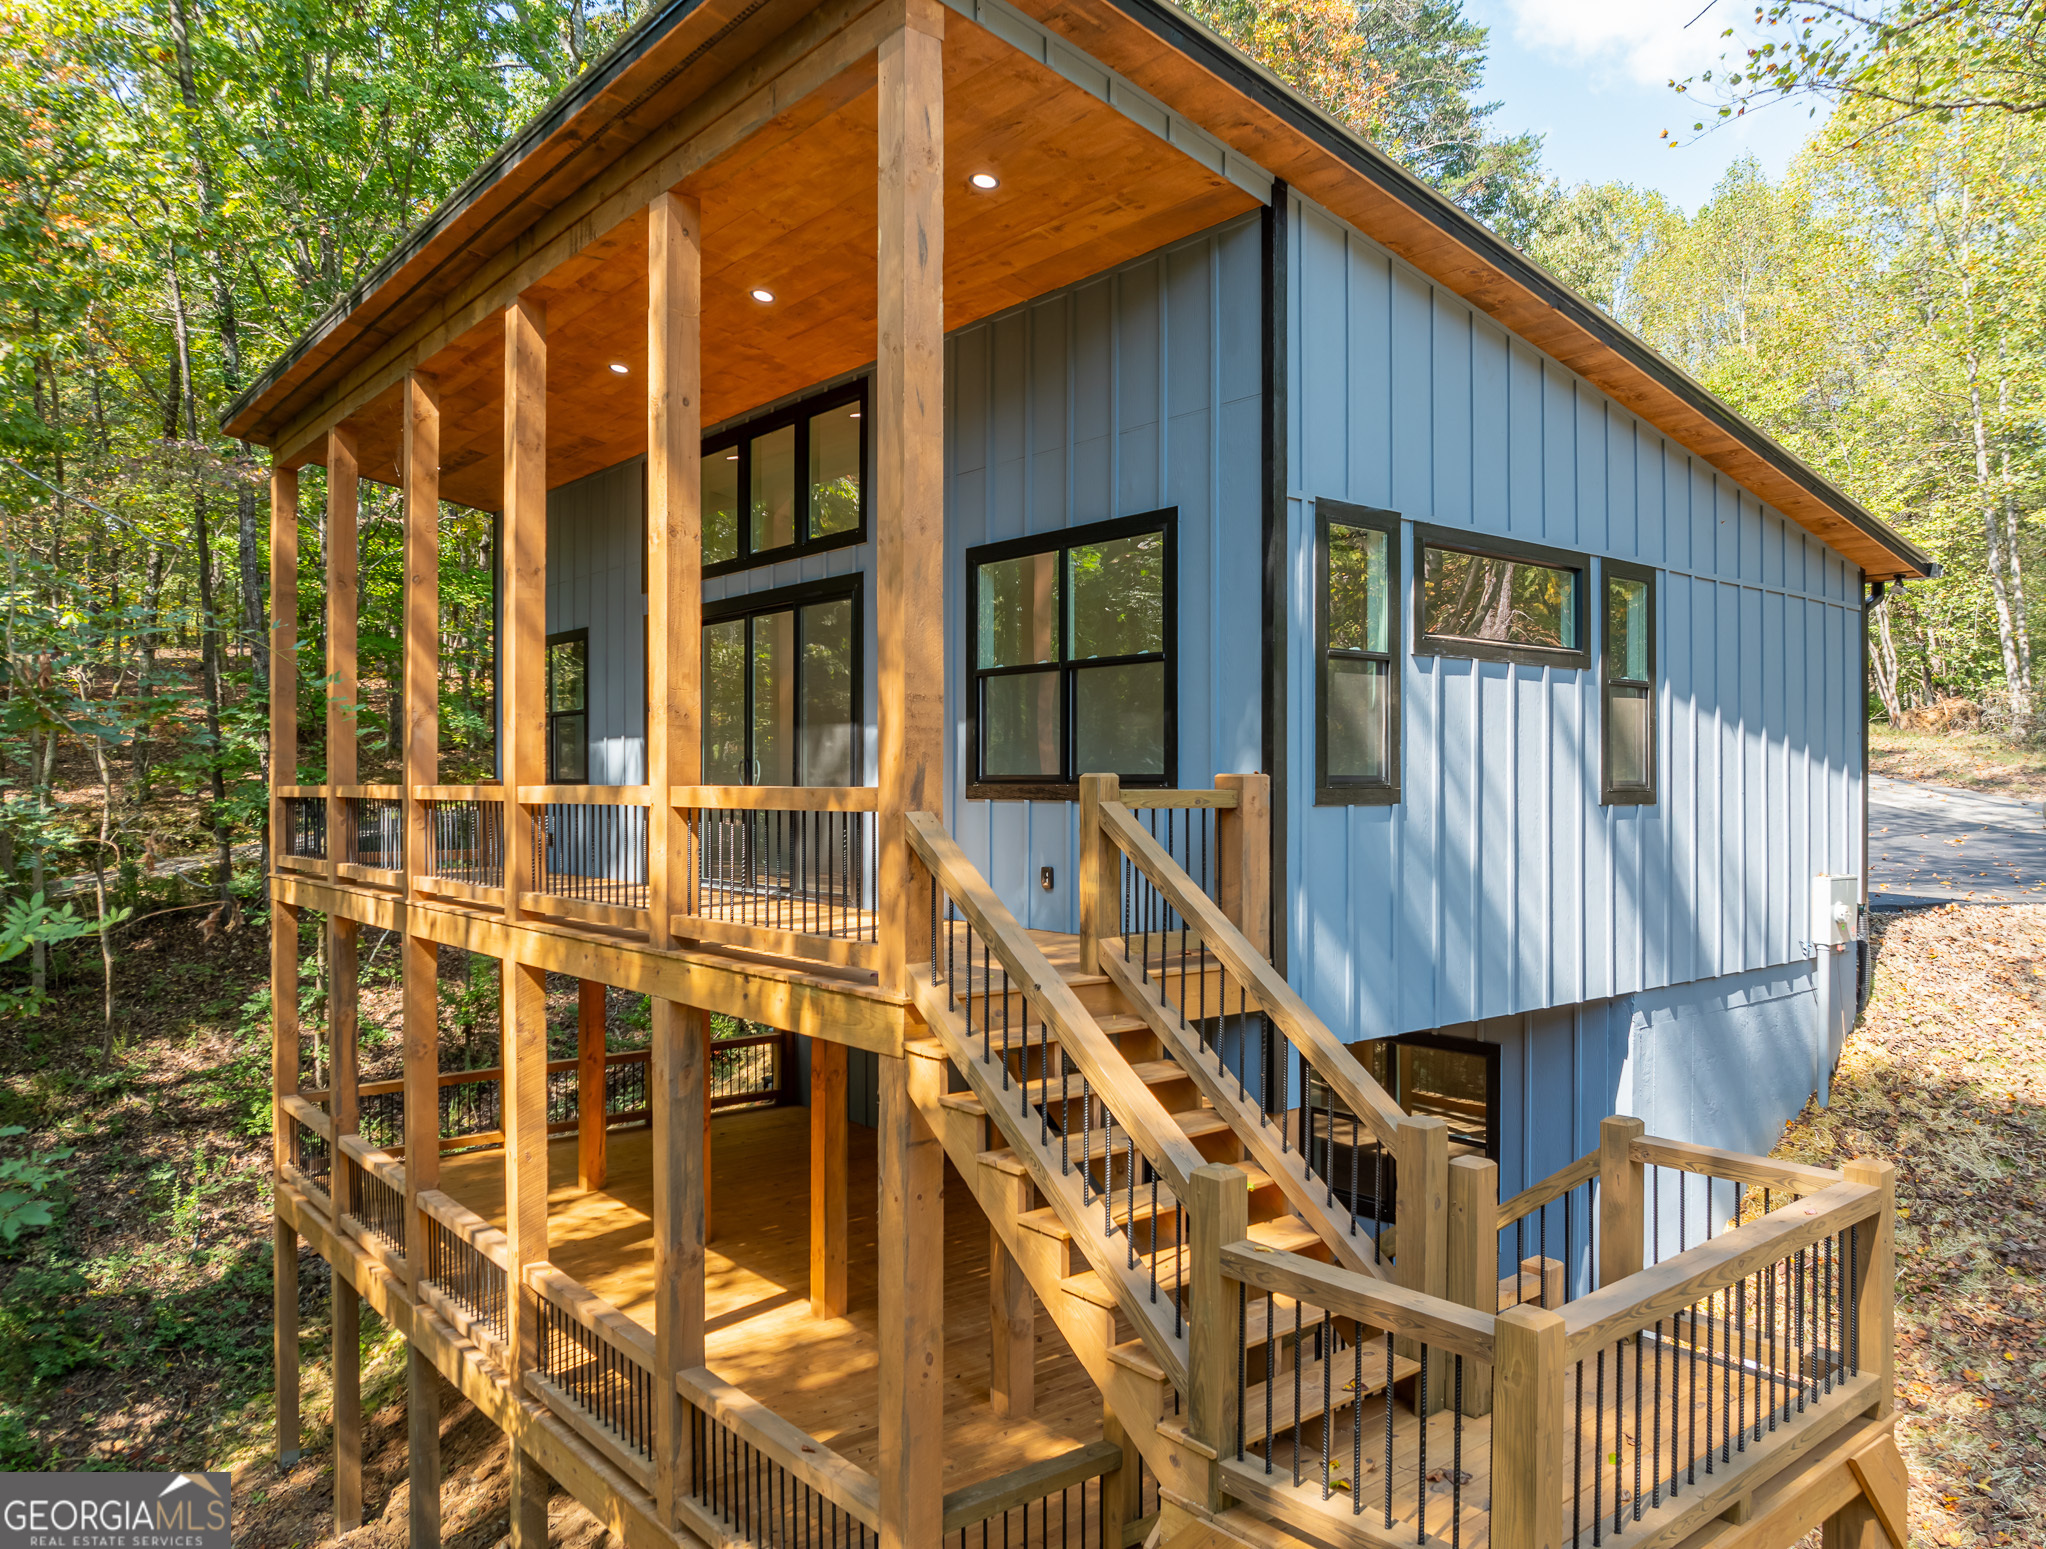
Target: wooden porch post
678, 1079
1528, 1430
1100, 870
590, 1159
830, 1157
1473, 1273
1621, 1224
1011, 1315
1243, 842
1218, 1214
523, 1100
1875, 1269
420, 956
912, 1312
909, 483
1421, 1208
343, 593
284, 925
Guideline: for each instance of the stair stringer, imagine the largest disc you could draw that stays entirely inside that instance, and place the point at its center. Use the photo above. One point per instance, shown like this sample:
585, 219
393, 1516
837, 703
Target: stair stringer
1284, 1165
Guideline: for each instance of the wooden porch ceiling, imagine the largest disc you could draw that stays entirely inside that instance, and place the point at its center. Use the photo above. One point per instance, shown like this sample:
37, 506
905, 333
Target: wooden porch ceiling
792, 210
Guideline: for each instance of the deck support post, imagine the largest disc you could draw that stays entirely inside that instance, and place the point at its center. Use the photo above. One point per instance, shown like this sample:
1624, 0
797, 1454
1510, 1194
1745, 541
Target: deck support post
1243, 861
590, 1137
347, 1319
830, 1159
1874, 1268
1122, 1503
419, 956
523, 1103
343, 588
530, 1485
678, 1081
522, 721
1218, 1214
911, 1234
1100, 870
1421, 1209
909, 471
284, 926
1621, 1224
1528, 1430
284, 1318
283, 653
1011, 1316
1473, 1271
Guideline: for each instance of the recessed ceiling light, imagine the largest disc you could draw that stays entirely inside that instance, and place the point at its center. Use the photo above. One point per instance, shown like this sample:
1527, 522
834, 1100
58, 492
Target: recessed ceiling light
762, 296
854, 415
619, 367
731, 457
984, 180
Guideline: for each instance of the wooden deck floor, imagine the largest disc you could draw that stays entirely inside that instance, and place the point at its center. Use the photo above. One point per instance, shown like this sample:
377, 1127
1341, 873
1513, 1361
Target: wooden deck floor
817, 1374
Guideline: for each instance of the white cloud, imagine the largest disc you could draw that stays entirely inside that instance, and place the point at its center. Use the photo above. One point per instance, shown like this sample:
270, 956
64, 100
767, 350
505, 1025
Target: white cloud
1641, 42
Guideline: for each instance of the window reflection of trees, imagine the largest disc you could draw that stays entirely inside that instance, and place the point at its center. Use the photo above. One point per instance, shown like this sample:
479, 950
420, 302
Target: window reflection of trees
1501, 601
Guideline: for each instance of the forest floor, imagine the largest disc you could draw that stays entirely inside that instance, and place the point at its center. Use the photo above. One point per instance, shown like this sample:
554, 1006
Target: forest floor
1976, 760
135, 1331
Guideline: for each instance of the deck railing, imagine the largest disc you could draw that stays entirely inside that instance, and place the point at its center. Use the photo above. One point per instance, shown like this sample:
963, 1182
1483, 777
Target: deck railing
309, 1148
373, 826
464, 1278
789, 868
305, 823
755, 1477
1556, 1219
464, 834
597, 1363
1053, 1504
373, 1195
589, 844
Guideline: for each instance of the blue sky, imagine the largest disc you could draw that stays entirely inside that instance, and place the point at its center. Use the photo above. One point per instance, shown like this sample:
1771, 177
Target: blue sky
1590, 75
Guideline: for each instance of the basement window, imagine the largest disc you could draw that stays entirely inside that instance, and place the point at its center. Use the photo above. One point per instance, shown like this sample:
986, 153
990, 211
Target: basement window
1627, 686
1496, 600
1070, 659
792, 482
1357, 687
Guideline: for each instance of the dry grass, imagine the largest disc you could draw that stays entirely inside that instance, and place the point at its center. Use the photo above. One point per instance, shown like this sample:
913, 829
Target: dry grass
1973, 760
1946, 1076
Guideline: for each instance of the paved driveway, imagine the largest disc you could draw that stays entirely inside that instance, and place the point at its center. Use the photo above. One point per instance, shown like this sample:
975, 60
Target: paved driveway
1931, 844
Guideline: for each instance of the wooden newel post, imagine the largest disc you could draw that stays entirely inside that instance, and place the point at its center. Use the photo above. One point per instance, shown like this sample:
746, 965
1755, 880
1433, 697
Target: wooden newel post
1100, 870
1474, 1259
1874, 1256
1243, 845
1421, 1231
1621, 1225
1528, 1430
1218, 1214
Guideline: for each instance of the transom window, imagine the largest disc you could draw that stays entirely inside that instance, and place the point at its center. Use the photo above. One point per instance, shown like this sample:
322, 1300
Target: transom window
1627, 658
789, 483
1070, 647
1497, 600
1357, 626
568, 713
781, 674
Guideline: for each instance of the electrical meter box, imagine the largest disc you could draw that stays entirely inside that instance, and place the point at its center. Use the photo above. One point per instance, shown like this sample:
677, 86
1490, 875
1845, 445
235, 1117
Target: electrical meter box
1836, 904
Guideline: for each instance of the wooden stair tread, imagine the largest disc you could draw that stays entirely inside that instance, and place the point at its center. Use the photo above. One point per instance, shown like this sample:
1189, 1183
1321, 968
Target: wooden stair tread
1046, 1220
1133, 1355
1287, 1235
1283, 1417
1153, 1073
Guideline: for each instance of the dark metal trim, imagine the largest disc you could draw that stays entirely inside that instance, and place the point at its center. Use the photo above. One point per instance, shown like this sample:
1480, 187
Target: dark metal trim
980, 787
783, 599
1462, 540
1275, 615
1347, 791
564, 637
797, 414
1611, 795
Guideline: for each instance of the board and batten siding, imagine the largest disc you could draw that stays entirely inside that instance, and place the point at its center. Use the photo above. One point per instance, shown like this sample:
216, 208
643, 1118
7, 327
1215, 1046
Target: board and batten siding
596, 581
1499, 884
1132, 391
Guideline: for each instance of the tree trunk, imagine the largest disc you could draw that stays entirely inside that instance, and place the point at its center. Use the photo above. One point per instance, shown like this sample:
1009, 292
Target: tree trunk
1882, 663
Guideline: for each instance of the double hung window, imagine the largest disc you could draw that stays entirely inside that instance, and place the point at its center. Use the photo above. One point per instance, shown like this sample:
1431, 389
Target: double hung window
1070, 648
1357, 626
790, 483
568, 714
1627, 690
781, 673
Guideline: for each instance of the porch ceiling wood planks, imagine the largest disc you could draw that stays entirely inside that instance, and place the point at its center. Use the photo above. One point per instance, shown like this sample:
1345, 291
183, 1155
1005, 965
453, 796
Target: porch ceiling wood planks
791, 208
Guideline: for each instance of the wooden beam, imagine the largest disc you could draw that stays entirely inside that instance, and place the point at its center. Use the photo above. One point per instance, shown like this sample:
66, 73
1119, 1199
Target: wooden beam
1100, 870
1473, 1246
530, 1486
590, 1161
522, 650
1421, 1217
674, 557
422, 1442
283, 642
830, 1161
1011, 1313
343, 594
1621, 1222
1528, 1430
1243, 843
678, 1083
347, 1330
284, 1332
1874, 1255
523, 1103
911, 1232
1218, 1209
908, 464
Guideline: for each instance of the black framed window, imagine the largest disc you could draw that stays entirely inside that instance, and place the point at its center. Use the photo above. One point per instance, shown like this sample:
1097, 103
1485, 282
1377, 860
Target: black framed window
782, 674
1498, 600
1433, 1073
568, 707
1071, 659
1357, 629
792, 482
1627, 687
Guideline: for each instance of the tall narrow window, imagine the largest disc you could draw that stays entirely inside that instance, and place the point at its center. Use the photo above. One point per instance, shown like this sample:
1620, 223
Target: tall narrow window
781, 673
1627, 659
1070, 651
791, 482
1357, 687
568, 716
1498, 600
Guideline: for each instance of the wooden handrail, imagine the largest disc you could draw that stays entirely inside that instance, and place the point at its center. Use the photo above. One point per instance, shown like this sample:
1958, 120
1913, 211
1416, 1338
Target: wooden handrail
987, 1498
585, 795
487, 791
467, 1225
301, 792
368, 792
629, 1337
776, 798
1221, 798
1415, 1315
373, 1160
1135, 1106
1331, 1059
315, 1119
1760, 1171
1553, 1187
838, 1480
1663, 1290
